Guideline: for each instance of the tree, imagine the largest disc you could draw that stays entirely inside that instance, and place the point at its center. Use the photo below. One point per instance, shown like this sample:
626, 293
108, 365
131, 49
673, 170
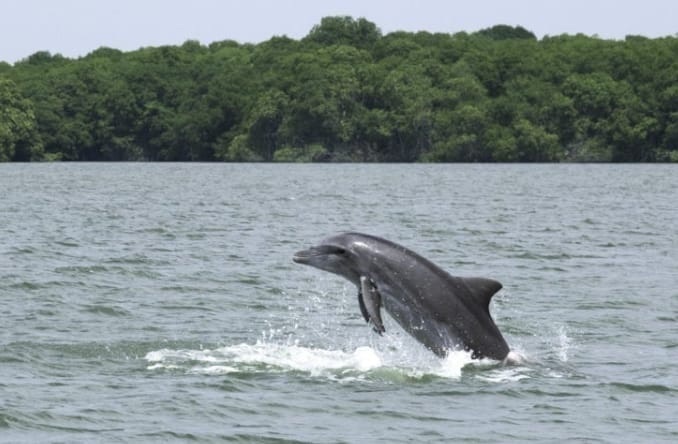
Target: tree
609, 111
19, 139
42, 58
506, 32
264, 123
325, 98
466, 126
534, 143
345, 30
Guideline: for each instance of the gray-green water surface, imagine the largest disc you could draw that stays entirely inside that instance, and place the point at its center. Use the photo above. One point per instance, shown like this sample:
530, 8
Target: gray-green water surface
159, 302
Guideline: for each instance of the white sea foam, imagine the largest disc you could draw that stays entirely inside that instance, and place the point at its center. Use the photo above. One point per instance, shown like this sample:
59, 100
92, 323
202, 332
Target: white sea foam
451, 366
515, 358
506, 374
266, 357
358, 363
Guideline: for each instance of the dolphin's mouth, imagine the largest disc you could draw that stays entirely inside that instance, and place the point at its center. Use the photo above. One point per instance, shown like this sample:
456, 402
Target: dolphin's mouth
307, 256
303, 256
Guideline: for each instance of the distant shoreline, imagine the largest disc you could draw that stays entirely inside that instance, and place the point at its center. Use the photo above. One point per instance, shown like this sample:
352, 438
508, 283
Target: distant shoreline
348, 93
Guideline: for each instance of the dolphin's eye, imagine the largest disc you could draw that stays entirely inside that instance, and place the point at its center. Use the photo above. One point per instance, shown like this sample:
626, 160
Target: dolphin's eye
332, 250
338, 251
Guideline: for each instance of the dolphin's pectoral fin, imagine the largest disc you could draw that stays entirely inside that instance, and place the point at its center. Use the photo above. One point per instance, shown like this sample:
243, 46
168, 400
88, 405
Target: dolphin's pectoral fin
370, 304
363, 310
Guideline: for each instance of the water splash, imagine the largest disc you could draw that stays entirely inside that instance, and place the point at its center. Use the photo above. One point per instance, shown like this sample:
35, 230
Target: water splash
266, 357
564, 344
363, 362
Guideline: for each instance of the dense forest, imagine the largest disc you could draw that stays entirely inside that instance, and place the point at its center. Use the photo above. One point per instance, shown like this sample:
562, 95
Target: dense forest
347, 92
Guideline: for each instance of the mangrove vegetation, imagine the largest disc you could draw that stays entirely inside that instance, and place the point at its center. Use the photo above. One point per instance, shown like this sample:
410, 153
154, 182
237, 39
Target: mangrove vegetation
348, 92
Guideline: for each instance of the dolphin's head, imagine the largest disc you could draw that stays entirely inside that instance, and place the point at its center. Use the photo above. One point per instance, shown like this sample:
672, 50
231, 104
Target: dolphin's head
338, 254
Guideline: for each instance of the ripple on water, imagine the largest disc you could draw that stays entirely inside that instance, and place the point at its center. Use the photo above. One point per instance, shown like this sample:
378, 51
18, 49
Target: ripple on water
643, 388
107, 310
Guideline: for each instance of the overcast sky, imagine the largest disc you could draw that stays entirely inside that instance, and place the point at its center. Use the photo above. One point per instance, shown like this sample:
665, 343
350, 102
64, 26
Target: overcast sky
74, 28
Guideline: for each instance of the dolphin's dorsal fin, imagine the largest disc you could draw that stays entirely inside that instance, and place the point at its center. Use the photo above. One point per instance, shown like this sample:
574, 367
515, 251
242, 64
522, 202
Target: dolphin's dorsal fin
482, 290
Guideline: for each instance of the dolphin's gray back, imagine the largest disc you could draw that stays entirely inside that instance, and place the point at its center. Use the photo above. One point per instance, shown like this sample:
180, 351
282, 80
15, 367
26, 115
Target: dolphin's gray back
442, 311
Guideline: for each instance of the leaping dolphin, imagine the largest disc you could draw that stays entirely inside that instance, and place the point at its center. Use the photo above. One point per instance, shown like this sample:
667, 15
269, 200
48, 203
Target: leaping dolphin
441, 311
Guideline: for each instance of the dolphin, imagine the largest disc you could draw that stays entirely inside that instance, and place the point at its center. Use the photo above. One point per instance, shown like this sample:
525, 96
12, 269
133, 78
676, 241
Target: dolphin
441, 311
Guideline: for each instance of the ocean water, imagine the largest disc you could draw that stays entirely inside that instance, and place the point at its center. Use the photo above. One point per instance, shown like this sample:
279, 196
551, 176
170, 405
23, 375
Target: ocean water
159, 303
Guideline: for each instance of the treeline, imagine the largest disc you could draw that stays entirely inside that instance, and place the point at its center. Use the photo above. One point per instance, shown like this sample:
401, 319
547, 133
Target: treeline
346, 92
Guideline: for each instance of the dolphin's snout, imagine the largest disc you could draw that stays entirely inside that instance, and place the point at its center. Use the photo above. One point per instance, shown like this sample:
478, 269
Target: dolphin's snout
303, 256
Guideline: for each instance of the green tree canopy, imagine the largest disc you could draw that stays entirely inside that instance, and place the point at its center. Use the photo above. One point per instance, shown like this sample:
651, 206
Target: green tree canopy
359, 33
347, 92
19, 139
506, 32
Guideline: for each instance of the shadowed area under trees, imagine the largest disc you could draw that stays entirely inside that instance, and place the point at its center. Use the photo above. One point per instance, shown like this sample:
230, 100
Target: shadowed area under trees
346, 92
